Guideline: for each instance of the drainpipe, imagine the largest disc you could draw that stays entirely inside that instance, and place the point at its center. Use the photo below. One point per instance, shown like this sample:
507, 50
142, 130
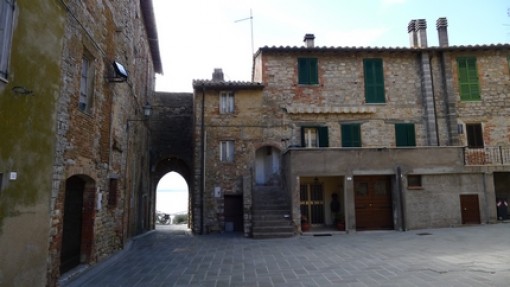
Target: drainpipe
202, 171
401, 198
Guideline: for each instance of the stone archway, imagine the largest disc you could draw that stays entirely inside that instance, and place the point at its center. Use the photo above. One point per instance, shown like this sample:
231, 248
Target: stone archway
267, 166
78, 222
173, 164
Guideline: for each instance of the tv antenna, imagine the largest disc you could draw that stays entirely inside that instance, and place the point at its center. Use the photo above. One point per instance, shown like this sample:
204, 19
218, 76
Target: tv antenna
251, 26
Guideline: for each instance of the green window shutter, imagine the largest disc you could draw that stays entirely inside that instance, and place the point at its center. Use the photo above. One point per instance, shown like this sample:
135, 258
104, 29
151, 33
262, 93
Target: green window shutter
469, 86
405, 135
374, 80
314, 71
323, 136
308, 72
351, 135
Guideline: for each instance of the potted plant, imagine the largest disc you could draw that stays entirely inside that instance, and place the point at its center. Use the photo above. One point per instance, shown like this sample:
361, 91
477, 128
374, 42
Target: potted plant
305, 225
339, 221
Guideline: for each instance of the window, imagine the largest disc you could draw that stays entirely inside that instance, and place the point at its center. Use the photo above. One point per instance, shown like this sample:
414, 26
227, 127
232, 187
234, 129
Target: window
86, 85
6, 20
413, 180
227, 151
314, 137
112, 193
468, 79
374, 80
308, 71
474, 135
404, 135
226, 102
351, 135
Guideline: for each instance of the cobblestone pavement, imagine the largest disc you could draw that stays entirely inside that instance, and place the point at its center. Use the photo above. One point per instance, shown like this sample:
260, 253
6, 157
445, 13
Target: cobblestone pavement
464, 256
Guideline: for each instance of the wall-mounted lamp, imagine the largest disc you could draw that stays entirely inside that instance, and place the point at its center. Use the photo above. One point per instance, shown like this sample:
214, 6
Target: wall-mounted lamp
20, 90
349, 178
120, 73
147, 110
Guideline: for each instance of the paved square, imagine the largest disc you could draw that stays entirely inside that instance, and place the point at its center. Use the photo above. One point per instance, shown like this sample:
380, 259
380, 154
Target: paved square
464, 256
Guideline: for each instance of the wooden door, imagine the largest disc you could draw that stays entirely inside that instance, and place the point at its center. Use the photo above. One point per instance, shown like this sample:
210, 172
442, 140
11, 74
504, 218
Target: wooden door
470, 209
373, 202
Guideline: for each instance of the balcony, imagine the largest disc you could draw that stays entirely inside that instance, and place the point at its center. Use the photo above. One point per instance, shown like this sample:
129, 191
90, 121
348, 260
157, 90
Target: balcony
494, 155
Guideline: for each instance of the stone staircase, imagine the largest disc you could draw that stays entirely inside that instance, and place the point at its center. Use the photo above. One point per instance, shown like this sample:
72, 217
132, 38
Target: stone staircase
271, 216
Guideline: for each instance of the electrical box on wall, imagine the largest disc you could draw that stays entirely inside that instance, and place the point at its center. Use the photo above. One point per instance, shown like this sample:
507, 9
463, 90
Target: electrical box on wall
217, 191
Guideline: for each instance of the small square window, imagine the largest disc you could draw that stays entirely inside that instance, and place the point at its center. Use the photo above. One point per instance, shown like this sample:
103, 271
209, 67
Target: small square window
414, 181
227, 151
227, 102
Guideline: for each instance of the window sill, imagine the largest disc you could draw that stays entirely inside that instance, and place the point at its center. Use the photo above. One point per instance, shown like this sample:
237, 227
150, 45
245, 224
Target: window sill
415, 188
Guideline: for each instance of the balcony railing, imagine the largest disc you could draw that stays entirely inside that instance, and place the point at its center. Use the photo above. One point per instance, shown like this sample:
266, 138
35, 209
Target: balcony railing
493, 155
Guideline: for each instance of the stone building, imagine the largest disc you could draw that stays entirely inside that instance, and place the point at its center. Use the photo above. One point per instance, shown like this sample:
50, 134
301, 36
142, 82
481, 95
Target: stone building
74, 155
407, 137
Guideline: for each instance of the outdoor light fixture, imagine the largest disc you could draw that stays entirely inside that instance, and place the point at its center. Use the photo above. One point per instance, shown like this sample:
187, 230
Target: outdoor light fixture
147, 110
120, 73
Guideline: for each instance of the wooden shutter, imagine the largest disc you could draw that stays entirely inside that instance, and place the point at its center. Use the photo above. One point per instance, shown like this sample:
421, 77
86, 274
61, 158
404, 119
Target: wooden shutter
323, 136
469, 86
351, 135
374, 80
307, 71
405, 135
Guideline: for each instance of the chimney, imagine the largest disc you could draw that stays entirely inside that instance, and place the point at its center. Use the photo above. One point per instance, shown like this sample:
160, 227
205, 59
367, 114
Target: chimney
412, 33
217, 75
421, 32
441, 25
309, 40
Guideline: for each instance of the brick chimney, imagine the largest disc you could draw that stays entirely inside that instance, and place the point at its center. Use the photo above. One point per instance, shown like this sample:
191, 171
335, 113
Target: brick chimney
309, 40
442, 32
421, 32
412, 33
217, 75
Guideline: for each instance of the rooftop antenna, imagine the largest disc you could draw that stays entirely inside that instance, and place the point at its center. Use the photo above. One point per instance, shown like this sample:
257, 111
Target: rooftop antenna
251, 26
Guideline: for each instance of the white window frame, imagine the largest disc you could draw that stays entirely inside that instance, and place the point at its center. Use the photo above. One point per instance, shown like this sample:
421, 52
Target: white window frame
227, 103
87, 74
311, 137
227, 151
6, 27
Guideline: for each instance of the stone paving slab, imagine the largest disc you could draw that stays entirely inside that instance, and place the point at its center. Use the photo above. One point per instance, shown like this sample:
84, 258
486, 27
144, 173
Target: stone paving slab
464, 256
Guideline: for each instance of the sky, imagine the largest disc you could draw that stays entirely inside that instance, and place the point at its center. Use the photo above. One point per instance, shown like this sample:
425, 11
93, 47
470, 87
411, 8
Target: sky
197, 36
172, 193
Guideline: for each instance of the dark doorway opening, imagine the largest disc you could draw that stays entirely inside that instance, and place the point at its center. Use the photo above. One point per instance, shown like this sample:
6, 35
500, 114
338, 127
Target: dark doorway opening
233, 213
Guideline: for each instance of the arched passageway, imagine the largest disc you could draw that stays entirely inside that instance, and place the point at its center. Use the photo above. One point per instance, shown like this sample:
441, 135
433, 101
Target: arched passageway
172, 197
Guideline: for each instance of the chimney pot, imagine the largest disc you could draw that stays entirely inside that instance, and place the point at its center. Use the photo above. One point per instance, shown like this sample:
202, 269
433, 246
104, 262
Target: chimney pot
442, 31
421, 32
309, 40
411, 30
217, 75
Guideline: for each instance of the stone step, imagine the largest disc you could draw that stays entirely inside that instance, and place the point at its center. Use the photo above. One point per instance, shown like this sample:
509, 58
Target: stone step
271, 223
271, 217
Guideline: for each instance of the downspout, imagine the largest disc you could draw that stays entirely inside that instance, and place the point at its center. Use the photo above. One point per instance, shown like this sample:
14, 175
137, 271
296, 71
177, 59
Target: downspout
401, 197
202, 170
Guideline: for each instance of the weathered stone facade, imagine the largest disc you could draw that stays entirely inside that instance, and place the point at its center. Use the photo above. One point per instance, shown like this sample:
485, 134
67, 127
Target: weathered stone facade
423, 184
87, 143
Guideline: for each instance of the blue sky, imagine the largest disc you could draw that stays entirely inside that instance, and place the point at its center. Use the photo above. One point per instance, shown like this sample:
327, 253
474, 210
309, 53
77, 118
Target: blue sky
197, 36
